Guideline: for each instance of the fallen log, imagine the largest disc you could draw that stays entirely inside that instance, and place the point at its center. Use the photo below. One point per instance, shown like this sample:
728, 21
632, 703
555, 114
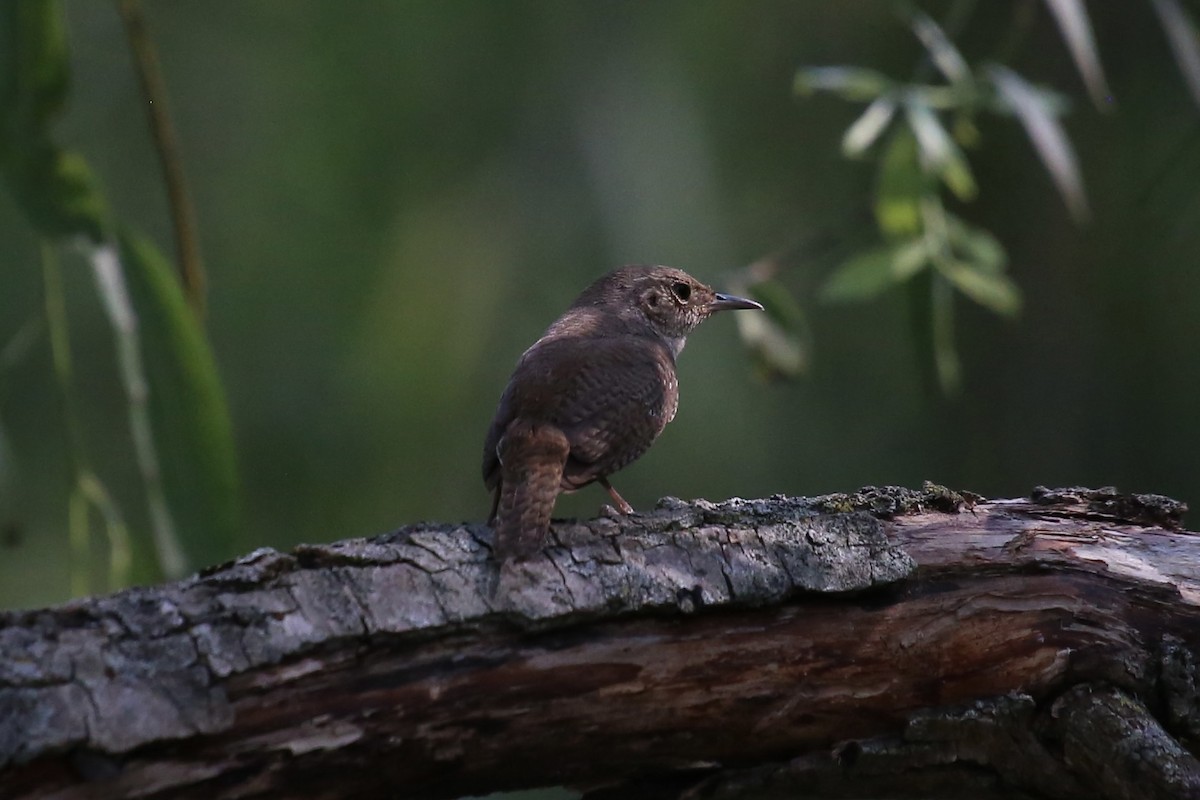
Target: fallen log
888, 643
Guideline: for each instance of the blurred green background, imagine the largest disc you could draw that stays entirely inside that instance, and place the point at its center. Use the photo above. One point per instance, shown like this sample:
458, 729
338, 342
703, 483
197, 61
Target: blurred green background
395, 199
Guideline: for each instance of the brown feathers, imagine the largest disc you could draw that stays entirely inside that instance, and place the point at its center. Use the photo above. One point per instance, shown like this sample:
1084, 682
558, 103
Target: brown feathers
590, 396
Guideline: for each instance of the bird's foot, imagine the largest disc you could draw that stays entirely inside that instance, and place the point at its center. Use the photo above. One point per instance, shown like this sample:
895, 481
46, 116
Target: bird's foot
608, 512
622, 506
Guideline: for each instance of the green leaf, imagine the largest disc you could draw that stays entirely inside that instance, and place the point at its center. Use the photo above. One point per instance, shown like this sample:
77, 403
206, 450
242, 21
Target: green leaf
852, 83
1184, 40
992, 290
777, 353
867, 128
187, 407
976, 245
909, 258
779, 338
872, 271
34, 68
944, 54
900, 186
779, 304
941, 154
1037, 110
57, 191
1076, 28
54, 187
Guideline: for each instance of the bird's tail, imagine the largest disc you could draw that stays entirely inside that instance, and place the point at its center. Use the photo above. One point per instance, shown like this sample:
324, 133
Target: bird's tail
532, 458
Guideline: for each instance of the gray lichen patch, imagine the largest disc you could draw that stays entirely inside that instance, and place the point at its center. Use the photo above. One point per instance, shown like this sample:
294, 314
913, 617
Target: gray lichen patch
884, 502
1139, 509
737, 552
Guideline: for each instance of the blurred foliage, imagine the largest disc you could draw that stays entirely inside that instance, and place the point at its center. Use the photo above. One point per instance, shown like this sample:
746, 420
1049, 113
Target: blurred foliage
187, 474
187, 405
396, 198
922, 158
53, 186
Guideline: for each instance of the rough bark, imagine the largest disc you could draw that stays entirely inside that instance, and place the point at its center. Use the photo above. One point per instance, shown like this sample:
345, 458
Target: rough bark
890, 643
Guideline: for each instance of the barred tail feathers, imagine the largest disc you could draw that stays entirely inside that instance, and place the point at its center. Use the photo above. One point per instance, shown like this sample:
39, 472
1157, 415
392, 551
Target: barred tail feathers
532, 457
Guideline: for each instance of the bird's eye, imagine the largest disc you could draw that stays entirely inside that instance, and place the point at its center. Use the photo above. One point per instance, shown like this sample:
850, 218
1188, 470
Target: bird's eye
681, 290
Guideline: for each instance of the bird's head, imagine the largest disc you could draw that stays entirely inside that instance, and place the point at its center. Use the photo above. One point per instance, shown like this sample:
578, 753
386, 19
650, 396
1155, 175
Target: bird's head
668, 301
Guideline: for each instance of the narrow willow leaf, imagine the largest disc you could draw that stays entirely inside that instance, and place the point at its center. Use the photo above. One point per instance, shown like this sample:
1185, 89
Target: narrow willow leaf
1076, 28
1184, 40
1037, 116
187, 407
852, 83
976, 245
112, 285
34, 68
867, 128
901, 184
54, 187
779, 304
944, 54
57, 191
861, 277
909, 258
940, 152
870, 272
778, 353
779, 339
992, 290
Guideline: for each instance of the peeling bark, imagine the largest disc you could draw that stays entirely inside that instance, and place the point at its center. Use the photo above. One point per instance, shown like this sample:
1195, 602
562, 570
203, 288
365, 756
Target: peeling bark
889, 643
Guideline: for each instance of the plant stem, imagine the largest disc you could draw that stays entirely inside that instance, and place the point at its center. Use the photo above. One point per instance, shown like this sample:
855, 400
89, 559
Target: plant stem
937, 243
183, 212
945, 352
120, 548
60, 353
16, 348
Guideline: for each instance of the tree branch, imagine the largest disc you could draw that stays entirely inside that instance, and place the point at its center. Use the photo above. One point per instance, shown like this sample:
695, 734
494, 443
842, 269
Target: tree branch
889, 643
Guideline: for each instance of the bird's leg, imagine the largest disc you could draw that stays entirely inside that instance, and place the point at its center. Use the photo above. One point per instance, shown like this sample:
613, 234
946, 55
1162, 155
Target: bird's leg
622, 506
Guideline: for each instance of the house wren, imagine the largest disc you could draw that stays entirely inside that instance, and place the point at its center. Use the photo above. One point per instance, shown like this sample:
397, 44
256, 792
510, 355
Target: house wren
590, 396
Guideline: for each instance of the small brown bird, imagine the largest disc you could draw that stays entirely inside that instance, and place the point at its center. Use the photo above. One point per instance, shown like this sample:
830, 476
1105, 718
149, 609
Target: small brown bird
590, 396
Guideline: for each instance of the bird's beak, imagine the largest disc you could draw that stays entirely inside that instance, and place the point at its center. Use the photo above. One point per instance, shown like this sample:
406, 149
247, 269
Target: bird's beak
728, 302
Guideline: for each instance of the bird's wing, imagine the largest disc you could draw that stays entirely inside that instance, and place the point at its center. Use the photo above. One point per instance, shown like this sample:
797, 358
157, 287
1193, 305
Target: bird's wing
610, 396
621, 397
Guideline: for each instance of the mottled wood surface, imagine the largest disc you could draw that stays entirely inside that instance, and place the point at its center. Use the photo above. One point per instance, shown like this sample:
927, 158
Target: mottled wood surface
886, 643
